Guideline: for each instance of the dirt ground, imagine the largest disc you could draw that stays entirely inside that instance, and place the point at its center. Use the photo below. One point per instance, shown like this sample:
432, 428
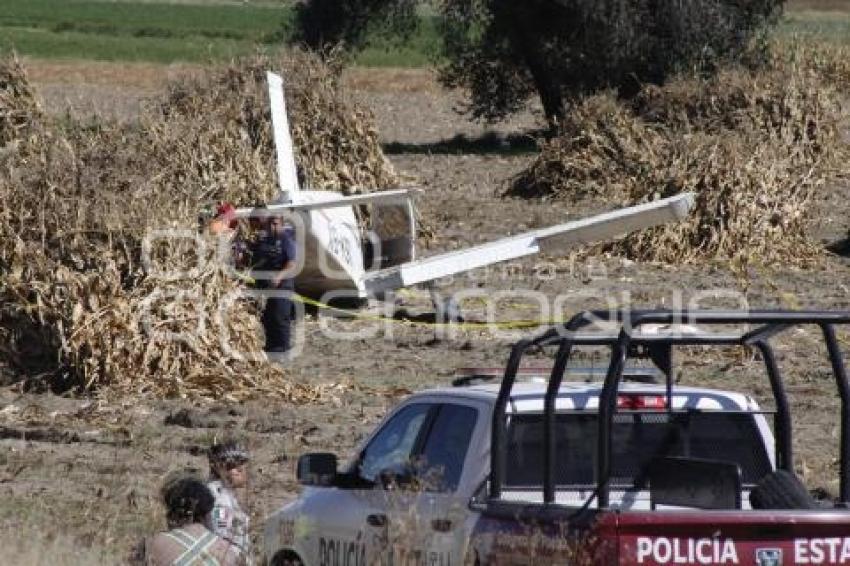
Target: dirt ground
86, 470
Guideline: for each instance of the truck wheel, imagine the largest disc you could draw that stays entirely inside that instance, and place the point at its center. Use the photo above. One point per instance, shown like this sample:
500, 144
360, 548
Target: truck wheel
288, 558
781, 490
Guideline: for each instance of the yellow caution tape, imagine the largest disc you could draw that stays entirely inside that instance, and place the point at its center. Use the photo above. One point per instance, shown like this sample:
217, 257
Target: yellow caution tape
383, 318
471, 325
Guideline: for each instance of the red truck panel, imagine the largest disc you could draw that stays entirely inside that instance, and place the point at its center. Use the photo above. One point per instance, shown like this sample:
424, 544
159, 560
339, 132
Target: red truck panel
660, 538
748, 537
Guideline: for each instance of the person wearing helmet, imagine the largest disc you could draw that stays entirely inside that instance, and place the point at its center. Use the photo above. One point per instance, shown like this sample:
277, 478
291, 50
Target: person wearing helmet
188, 503
228, 473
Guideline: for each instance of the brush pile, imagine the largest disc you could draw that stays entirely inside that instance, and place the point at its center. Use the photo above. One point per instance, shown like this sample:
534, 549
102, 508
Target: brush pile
106, 281
754, 146
336, 143
19, 109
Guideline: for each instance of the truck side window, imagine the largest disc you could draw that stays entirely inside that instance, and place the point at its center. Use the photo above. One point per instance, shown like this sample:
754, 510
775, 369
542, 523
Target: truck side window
393, 445
446, 446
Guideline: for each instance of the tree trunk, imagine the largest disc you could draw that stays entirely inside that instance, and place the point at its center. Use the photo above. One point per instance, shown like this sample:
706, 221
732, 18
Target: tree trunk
524, 36
550, 97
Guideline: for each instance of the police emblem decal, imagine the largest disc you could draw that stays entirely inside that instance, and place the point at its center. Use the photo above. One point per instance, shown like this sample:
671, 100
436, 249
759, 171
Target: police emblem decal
769, 557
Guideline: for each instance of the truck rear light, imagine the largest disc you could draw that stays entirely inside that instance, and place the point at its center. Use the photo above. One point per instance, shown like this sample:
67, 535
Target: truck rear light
635, 402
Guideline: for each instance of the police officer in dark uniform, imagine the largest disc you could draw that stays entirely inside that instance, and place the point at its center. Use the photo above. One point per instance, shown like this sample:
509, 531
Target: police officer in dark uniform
274, 252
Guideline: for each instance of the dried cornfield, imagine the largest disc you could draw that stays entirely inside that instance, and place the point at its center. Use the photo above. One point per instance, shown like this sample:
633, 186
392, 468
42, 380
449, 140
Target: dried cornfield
755, 146
19, 109
84, 302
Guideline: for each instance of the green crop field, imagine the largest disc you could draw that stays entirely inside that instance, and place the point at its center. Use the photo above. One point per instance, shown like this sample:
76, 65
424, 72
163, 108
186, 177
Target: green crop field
216, 30
137, 31
141, 19
166, 31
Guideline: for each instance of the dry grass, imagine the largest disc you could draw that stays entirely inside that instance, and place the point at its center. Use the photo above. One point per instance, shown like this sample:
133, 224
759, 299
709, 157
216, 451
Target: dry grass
31, 546
391, 80
141, 76
828, 62
80, 306
754, 146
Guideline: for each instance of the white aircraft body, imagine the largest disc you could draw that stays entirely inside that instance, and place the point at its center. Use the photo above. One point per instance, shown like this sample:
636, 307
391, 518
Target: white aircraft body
342, 256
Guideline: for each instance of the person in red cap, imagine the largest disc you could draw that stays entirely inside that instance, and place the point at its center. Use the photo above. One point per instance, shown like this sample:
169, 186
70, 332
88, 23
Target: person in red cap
225, 225
224, 220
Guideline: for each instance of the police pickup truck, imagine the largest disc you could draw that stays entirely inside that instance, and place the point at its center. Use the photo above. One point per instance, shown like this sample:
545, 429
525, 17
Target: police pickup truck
633, 468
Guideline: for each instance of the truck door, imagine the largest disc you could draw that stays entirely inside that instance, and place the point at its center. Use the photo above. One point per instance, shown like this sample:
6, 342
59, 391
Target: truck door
430, 525
350, 526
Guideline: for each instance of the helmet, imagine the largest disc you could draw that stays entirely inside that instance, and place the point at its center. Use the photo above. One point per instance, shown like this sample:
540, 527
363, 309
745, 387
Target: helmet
228, 453
226, 212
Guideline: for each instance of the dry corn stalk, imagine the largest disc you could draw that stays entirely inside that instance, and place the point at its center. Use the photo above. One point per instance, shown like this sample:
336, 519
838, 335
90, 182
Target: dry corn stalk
77, 302
19, 108
755, 147
336, 142
601, 149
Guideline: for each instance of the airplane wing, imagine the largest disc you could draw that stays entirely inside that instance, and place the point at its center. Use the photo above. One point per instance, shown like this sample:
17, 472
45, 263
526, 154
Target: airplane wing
553, 239
327, 199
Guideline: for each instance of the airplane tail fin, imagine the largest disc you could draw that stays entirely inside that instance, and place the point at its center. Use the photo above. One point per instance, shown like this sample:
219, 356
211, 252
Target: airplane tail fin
287, 176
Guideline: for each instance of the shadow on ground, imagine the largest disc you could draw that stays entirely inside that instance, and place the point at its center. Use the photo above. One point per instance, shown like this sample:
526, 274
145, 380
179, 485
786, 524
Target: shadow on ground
489, 144
840, 247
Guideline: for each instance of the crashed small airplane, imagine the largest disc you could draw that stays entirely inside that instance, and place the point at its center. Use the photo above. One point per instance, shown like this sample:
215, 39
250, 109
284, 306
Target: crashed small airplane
342, 257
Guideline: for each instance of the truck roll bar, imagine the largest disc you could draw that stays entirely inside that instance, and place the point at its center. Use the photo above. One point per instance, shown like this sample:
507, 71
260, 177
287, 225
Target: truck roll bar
629, 342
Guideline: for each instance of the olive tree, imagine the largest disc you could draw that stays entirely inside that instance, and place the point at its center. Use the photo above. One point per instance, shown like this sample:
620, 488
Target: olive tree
502, 52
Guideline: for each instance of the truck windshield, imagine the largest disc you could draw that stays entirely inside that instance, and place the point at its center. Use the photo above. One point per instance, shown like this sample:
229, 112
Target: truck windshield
637, 438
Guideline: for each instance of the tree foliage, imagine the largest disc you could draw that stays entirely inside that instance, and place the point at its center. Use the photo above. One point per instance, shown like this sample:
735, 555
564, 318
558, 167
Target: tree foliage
502, 52
324, 24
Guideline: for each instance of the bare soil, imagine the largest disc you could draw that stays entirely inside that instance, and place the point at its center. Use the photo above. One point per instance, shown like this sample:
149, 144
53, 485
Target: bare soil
90, 468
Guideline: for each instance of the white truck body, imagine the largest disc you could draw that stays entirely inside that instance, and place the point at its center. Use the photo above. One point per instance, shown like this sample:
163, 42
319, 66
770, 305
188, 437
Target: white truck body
370, 524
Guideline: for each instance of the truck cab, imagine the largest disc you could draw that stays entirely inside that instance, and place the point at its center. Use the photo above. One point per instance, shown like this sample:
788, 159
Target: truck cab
369, 511
403, 497
614, 466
